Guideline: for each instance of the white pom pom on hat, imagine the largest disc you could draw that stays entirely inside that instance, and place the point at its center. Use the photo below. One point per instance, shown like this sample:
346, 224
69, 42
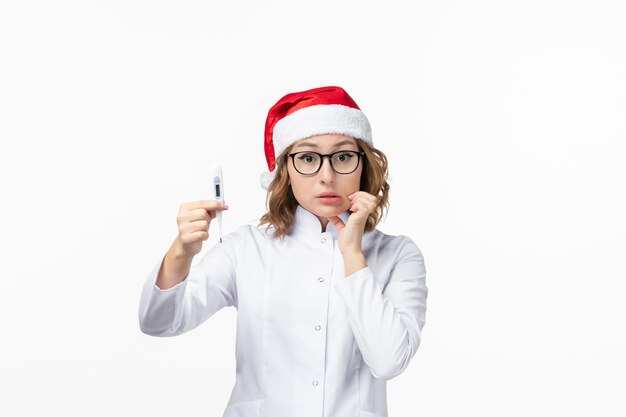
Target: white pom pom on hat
322, 110
267, 178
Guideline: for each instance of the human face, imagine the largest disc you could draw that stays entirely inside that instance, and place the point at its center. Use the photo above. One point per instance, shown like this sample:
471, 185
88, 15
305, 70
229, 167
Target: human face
308, 189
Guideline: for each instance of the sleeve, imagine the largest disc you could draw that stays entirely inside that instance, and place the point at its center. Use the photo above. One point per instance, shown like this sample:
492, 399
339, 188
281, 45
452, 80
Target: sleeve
387, 323
209, 287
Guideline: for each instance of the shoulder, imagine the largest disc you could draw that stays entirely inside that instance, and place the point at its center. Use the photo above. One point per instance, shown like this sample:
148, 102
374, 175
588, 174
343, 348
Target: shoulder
249, 233
398, 246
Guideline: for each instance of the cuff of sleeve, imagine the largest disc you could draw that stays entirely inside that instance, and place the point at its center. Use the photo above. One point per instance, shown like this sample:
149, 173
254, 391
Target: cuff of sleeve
344, 285
155, 274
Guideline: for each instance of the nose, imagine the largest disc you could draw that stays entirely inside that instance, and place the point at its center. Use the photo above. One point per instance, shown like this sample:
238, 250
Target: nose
326, 173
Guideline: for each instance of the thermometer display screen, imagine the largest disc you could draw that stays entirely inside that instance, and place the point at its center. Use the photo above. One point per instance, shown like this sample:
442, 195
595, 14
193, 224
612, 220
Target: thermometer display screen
217, 190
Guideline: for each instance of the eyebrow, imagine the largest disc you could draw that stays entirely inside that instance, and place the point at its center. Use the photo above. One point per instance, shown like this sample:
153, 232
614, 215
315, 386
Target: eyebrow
313, 145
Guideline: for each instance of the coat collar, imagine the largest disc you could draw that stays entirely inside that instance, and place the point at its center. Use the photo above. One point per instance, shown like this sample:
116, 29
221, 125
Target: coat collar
307, 223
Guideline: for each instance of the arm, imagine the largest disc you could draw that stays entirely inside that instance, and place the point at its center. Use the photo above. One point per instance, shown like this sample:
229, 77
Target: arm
387, 323
209, 286
175, 266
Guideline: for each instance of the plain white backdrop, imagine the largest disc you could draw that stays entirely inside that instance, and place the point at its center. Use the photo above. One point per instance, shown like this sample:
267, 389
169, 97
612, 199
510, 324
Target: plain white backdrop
504, 127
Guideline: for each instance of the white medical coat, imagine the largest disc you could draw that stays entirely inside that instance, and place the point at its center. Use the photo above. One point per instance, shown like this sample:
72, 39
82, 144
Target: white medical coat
311, 342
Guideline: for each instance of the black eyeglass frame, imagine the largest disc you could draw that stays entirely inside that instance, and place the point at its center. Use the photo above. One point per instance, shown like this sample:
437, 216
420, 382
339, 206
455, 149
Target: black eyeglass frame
359, 155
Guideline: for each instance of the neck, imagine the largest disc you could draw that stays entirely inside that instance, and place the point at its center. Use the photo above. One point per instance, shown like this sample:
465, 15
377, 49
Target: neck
324, 222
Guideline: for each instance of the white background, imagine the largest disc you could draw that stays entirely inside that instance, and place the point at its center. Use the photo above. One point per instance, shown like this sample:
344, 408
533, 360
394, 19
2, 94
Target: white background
504, 126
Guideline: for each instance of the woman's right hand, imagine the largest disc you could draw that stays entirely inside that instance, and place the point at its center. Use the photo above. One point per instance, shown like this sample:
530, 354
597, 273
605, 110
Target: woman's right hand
193, 222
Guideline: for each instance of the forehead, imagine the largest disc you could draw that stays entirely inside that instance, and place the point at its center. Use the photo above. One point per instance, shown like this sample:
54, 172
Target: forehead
319, 141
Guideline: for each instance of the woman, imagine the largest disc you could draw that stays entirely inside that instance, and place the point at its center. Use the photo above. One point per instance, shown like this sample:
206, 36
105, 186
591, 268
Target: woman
328, 307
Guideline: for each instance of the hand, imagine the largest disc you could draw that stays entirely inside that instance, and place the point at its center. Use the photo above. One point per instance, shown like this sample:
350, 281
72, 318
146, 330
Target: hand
351, 233
193, 221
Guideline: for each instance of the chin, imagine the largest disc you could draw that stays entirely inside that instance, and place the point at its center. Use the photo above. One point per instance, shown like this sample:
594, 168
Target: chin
323, 210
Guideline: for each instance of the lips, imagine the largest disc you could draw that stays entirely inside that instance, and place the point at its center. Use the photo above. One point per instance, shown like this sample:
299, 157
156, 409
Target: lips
329, 198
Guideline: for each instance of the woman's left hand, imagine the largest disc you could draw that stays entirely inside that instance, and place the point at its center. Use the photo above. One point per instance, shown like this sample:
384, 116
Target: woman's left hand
351, 233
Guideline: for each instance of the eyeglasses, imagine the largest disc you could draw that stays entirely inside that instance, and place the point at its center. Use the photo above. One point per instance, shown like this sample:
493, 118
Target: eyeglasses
342, 162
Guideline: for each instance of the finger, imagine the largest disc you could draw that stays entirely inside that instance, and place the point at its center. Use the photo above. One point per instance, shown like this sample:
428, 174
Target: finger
370, 199
363, 195
358, 206
360, 199
212, 209
195, 226
200, 210
362, 206
337, 222
200, 213
208, 205
200, 225
199, 235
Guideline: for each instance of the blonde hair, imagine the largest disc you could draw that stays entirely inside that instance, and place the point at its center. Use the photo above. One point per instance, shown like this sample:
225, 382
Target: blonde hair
282, 204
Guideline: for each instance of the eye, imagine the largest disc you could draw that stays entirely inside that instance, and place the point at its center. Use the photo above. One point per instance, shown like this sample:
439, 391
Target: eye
309, 158
344, 157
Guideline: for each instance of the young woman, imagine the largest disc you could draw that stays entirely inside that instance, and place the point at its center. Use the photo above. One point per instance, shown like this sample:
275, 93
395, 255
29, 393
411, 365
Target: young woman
328, 307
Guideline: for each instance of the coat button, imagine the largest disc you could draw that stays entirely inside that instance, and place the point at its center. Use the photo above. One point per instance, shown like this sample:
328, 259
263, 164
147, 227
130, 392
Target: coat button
323, 240
318, 327
314, 382
320, 279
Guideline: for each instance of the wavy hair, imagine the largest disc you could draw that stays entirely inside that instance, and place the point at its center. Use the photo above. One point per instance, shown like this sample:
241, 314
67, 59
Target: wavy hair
281, 203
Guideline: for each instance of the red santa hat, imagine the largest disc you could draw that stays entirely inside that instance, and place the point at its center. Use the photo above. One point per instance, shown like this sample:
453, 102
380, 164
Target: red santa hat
322, 110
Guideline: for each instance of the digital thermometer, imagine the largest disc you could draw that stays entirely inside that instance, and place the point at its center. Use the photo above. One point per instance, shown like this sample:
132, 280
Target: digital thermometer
217, 191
